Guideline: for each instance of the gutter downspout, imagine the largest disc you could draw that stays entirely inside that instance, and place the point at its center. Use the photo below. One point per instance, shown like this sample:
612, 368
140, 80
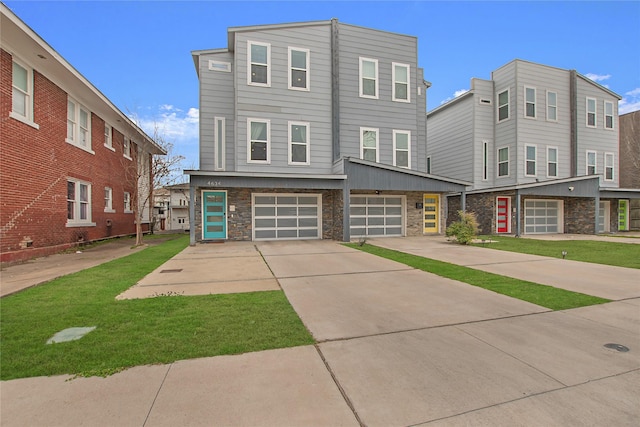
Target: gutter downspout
192, 214
518, 208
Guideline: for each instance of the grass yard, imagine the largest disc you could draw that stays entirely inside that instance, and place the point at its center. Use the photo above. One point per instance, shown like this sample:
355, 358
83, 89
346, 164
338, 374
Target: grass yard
598, 252
135, 332
542, 295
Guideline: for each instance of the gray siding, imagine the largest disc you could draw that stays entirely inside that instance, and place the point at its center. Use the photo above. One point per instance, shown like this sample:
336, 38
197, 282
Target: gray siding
506, 131
483, 120
381, 113
280, 104
450, 140
597, 139
421, 119
216, 100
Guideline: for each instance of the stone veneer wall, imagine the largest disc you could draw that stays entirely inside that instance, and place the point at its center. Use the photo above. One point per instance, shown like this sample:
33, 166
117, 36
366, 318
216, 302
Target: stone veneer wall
483, 205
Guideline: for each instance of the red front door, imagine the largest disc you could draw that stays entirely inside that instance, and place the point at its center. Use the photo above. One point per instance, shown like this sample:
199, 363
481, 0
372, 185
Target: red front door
503, 216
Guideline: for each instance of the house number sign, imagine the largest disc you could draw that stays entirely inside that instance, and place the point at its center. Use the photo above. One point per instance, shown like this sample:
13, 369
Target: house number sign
214, 183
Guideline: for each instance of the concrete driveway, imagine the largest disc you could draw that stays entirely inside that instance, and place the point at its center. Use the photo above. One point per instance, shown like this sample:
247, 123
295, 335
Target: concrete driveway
397, 347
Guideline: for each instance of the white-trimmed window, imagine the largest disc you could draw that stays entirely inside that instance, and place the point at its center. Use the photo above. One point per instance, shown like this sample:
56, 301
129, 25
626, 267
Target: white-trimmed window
78, 202
401, 78
258, 141
402, 148
108, 137
369, 144
126, 148
503, 161
299, 143
108, 199
608, 115
485, 160
552, 162
609, 169
78, 125
591, 113
22, 94
127, 202
299, 60
219, 141
591, 162
503, 105
224, 67
369, 78
530, 102
530, 161
259, 64
552, 106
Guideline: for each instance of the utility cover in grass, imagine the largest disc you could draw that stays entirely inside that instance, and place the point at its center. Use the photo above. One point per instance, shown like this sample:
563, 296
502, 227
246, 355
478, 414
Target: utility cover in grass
70, 334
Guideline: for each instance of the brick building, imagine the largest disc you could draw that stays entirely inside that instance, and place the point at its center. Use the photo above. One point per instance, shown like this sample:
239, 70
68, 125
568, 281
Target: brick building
69, 159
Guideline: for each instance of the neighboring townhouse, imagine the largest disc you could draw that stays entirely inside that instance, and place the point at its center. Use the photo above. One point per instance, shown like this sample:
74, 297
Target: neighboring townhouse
313, 130
171, 207
69, 159
540, 145
630, 162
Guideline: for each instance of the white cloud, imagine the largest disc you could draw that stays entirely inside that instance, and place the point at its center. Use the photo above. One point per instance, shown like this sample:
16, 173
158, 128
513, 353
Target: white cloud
598, 77
630, 102
456, 94
173, 124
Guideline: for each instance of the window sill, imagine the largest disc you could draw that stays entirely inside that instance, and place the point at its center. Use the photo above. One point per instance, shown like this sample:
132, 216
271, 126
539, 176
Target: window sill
128, 212
24, 120
80, 224
300, 89
368, 96
71, 142
110, 210
110, 148
126, 157
406, 101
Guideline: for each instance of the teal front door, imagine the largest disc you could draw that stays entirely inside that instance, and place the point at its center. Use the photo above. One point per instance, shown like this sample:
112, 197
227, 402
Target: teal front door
214, 208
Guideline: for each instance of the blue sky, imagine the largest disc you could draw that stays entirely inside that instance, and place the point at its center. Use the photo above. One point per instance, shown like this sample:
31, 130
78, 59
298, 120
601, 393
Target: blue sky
138, 53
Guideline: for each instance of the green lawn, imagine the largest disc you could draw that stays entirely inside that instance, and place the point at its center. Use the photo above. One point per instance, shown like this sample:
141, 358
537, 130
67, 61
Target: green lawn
543, 295
135, 332
616, 254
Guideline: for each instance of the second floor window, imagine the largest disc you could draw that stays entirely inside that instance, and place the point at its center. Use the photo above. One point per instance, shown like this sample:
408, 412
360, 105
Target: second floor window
298, 143
258, 141
591, 163
298, 68
22, 93
552, 162
503, 105
552, 106
369, 78
591, 112
369, 144
608, 167
530, 102
402, 148
259, 64
401, 82
608, 115
108, 138
78, 125
530, 160
126, 148
503, 161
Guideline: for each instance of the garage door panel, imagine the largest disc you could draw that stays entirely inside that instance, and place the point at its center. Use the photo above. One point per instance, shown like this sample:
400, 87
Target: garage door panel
287, 216
543, 216
376, 215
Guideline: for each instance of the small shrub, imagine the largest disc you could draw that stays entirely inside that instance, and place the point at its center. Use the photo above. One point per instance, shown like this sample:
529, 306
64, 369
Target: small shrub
465, 229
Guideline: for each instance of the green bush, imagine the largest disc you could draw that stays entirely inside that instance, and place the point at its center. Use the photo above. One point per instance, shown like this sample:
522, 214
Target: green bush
465, 229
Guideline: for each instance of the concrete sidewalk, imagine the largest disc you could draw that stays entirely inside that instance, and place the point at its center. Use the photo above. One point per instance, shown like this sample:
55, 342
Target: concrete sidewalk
397, 347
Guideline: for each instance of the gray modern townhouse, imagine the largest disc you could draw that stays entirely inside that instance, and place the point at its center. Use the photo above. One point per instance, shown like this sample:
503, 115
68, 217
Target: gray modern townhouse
540, 146
314, 130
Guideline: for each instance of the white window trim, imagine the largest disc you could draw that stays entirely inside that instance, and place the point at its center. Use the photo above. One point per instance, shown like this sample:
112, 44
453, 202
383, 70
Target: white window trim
108, 141
393, 82
605, 115
291, 143
527, 160
549, 162
268, 122
268, 46
81, 222
76, 126
595, 112
108, 201
485, 160
221, 66
126, 148
307, 87
535, 106
555, 106
508, 104
28, 119
219, 149
408, 150
127, 196
595, 162
612, 167
377, 131
508, 161
377, 78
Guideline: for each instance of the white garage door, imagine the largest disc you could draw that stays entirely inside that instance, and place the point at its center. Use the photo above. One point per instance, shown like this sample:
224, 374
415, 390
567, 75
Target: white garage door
287, 216
376, 216
543, 216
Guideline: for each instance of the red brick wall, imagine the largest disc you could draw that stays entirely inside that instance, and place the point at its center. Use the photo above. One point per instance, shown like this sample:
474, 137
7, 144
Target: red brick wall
34, 166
